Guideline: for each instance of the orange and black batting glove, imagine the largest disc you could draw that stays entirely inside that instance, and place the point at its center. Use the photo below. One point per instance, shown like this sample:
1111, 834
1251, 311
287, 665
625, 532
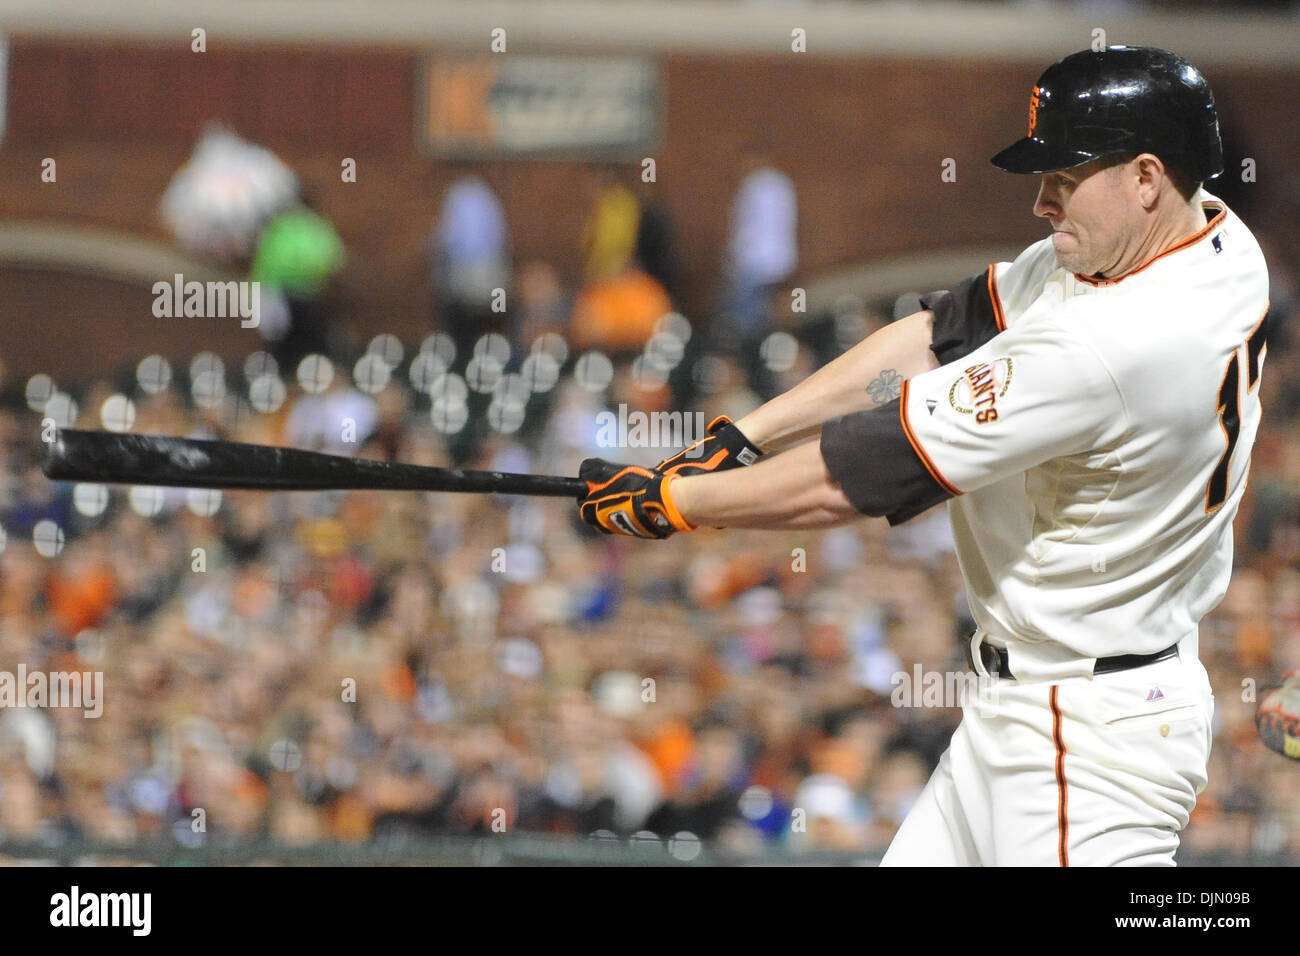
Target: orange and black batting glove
627, 499
723, 447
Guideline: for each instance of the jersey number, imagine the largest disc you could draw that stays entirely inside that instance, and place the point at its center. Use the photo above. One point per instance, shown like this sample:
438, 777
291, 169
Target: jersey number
1229, 409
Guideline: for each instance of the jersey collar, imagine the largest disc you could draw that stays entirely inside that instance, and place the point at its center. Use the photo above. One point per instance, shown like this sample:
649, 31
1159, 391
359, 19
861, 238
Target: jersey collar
1191, 240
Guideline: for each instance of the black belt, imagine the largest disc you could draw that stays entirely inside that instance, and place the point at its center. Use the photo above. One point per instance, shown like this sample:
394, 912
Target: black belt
995, 660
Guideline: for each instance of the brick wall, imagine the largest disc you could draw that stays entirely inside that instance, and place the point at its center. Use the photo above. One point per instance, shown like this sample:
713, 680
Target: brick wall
863, 141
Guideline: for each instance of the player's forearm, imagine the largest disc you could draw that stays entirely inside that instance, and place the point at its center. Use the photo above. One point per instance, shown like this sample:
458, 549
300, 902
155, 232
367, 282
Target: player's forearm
868, 375
789, 491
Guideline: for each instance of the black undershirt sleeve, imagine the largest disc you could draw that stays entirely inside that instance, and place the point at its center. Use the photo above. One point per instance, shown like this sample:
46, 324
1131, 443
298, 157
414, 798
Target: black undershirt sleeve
870, 456
965, 317
869, 453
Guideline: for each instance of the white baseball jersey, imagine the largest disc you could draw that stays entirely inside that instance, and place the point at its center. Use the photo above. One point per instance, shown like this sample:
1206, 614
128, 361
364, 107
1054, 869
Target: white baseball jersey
1097, 447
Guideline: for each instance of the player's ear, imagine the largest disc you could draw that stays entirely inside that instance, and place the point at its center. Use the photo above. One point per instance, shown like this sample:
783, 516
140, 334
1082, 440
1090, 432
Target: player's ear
1150, 177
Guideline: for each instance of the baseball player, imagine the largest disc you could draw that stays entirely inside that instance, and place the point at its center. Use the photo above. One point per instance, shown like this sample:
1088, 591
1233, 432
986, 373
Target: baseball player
1087, 412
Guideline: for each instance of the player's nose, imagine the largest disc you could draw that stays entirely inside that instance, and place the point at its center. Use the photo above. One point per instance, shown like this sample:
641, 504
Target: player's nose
1047, 204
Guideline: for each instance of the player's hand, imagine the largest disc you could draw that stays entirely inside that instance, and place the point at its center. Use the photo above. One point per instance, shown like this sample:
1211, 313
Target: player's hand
723, 447
627, 499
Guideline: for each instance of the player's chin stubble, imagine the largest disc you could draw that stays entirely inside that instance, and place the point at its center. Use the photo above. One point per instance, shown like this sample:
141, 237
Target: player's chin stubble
1068, 254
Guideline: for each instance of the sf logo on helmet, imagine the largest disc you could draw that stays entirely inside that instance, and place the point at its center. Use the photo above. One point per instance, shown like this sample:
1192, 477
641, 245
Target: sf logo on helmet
1033, 109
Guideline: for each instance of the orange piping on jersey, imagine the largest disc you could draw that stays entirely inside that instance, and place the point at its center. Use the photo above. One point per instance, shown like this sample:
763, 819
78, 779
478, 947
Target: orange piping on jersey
1227, 439
1062, 792
1189, 241
999, 317
1259, 359
930, 466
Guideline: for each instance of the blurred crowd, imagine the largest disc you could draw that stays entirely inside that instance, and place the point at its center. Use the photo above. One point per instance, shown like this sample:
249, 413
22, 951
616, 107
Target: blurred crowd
308, 668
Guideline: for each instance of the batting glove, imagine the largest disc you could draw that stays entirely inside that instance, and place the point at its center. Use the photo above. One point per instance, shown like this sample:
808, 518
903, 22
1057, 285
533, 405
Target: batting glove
724, 447
627, 499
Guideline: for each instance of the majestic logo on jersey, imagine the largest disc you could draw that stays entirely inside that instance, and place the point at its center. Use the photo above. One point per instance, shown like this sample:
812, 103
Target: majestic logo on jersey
979, 388
1033, 110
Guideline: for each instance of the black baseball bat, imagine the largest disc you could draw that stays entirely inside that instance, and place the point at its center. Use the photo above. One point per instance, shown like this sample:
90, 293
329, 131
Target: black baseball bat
116, 458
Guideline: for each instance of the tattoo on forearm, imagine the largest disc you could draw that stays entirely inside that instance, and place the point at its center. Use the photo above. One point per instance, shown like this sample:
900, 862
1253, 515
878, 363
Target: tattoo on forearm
885, 387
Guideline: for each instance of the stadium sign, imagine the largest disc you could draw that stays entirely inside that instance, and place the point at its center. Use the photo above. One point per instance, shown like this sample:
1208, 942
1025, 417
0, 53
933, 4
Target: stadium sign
536, 105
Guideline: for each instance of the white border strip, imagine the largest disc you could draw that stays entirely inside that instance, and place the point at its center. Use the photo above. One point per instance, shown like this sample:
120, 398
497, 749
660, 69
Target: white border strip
1030, 31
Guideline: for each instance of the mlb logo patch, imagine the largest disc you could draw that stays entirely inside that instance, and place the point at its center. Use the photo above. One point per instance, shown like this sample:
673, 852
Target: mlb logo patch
1217, 242
1155, 693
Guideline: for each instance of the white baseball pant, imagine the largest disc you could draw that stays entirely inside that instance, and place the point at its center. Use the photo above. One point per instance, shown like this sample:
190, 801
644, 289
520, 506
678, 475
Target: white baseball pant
1084, 771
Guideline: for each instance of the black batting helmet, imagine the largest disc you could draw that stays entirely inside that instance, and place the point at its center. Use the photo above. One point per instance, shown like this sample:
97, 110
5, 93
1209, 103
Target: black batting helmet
1119, 100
